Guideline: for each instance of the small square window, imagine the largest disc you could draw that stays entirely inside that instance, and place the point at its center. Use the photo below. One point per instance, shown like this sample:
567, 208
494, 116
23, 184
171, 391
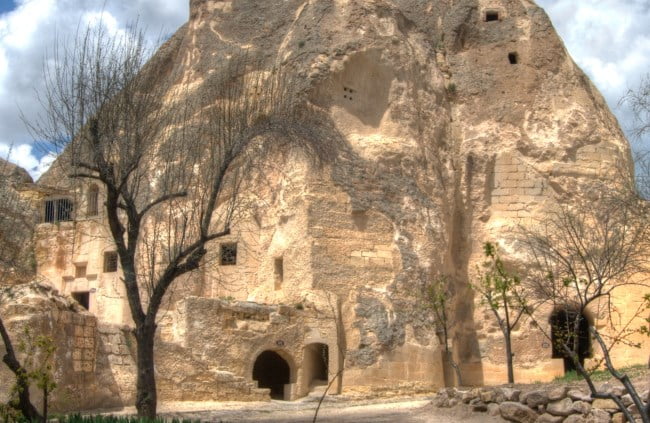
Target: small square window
513, 58
110, 261
491, 16
83, 298
80, 270
228, 254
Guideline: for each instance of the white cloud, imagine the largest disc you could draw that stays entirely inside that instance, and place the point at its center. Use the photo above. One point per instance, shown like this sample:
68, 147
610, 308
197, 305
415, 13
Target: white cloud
609, 40
23, 155
27, 32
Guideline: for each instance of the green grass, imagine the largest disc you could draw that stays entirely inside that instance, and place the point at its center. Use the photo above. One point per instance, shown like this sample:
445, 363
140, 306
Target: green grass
602, 375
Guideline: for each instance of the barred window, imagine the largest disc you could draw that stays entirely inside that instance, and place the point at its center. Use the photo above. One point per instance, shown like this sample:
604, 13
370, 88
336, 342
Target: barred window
58, 210
228, 254
110, 261
92, 200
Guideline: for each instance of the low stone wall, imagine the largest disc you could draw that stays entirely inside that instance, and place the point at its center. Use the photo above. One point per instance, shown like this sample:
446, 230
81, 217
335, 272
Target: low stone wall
561, 404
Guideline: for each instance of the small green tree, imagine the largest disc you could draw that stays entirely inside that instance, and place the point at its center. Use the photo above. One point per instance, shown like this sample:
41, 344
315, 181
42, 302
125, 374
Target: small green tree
502, 292
437, 296
37, 368
39, 354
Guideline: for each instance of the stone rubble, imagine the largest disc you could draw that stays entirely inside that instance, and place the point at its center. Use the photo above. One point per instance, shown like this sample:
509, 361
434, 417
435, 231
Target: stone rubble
549, 405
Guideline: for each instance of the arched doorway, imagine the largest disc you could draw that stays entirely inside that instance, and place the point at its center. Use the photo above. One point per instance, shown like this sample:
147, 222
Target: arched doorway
315, 364
567, 328
272, 371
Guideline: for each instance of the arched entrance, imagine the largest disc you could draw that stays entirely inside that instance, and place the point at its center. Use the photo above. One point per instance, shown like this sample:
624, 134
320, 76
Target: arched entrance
315, 364
567, 328
272, 371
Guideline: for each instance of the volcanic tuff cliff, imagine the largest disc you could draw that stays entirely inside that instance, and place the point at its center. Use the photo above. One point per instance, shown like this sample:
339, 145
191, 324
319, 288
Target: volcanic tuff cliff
460, 119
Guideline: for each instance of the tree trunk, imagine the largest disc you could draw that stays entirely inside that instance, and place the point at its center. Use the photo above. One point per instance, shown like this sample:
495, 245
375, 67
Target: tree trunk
24, 402
146, 400
342, 347
511, 373
45, 394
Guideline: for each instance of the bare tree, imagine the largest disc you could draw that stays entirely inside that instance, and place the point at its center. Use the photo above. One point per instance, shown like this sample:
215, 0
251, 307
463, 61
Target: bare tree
583, 253
16, 225
638, 100
336, 309
172, 160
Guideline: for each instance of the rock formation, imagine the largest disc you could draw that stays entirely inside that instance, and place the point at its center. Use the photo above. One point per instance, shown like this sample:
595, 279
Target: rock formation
460, 119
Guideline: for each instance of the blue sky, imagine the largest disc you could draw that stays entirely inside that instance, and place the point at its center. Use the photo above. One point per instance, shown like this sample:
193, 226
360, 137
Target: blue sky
609, 39
6, 5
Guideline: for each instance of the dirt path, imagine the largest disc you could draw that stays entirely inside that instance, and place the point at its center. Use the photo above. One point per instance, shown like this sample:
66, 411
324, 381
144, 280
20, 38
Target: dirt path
342, 410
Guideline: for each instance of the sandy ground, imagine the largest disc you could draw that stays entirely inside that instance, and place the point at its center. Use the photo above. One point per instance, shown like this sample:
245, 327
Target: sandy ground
410, 409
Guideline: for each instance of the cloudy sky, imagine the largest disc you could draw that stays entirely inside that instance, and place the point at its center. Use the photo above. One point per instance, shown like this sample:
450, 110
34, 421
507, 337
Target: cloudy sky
609, 39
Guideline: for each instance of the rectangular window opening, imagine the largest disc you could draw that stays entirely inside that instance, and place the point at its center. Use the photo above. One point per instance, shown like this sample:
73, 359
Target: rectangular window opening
80, 270
110, 261
83, 298
93, 199
58, 210
228, 254
512, 58
491, 16
278, 272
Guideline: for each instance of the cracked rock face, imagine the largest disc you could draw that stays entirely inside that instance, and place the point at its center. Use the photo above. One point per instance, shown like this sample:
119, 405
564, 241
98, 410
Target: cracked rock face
459, 118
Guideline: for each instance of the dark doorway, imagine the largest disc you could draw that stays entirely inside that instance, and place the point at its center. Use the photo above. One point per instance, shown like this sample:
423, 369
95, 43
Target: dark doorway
571, 329
315, 364
83, 298
271, 371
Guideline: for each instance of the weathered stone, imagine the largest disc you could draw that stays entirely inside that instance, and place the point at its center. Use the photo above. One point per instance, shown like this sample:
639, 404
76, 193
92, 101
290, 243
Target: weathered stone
558, 393
627, 400
598, 415
575, 418
488, 396
578, 395
493, 409
510, 394
517, 412
535, 398
441, 400
548, 418
604, 404
582, 407
634, 410
611, 388
619, 418
562, 407
468, 396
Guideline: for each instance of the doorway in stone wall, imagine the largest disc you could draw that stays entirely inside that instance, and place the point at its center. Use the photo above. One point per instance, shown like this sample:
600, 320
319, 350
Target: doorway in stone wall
315, 365
568, 327
272, 371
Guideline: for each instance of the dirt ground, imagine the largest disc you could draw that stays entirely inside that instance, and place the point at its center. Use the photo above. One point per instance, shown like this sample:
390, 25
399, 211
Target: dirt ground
407, 409
387, 409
